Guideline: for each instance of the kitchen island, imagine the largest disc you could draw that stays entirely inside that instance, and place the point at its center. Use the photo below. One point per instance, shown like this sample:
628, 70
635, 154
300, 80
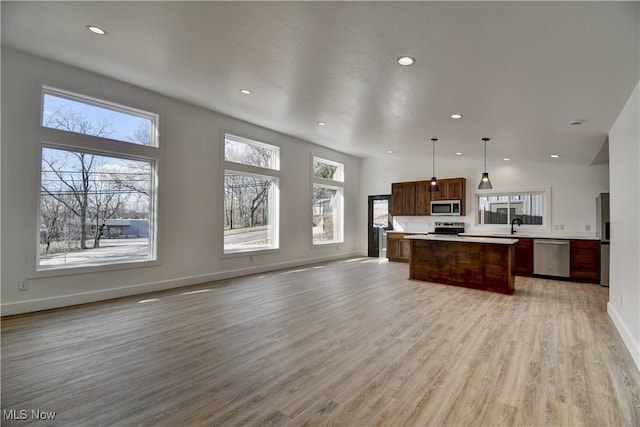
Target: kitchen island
473, 262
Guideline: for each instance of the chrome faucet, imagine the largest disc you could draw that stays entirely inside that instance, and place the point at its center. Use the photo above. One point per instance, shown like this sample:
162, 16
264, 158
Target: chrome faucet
515, 221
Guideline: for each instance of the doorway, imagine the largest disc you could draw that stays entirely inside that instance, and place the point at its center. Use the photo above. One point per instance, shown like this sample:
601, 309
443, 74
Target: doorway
380, 221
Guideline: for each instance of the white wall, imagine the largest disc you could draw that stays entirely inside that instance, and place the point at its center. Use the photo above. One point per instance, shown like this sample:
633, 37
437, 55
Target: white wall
573, 188
624, 158
190, 196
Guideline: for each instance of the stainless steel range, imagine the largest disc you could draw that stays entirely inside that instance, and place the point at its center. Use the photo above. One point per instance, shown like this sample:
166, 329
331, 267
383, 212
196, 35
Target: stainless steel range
448, 228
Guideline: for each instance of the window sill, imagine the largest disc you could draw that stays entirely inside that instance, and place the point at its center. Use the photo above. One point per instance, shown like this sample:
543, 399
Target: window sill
327, 243
89, 269
249, 252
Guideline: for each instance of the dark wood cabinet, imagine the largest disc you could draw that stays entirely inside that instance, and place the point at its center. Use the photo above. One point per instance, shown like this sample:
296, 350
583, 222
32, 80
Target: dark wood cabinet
476, 265
423, 198
585, 261
442, 194
455, 189
396, 198
414, 198
524, 257
393, 251
450, 189
403, 198
398, 248
409, 198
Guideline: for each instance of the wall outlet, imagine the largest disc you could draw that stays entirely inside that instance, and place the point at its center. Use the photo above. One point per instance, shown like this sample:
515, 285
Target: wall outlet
587, 227
23, 285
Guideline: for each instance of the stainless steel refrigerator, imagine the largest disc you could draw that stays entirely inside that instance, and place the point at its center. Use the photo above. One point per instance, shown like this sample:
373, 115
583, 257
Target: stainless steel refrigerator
603, 231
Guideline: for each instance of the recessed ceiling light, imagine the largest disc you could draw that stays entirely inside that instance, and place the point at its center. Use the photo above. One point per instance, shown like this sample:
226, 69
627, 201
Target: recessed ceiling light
322, 124
506, 159
456, 116
458, 153
555, 156
406, 60
245, 91
96, 30
389, 152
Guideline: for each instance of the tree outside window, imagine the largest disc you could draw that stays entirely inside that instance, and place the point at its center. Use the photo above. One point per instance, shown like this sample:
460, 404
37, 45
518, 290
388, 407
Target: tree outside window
95, 209
250, 195
327, 201
87, 199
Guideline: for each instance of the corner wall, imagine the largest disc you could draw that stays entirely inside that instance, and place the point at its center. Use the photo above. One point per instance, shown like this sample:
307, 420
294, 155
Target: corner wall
190, 214
624, 290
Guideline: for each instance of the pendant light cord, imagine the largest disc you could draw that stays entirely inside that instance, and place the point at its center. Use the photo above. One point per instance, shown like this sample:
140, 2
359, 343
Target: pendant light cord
433, 157
485, 155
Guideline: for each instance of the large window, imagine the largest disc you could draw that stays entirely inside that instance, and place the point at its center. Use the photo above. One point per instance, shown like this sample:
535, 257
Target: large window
327, 202
504, 207
250, 195
96, 198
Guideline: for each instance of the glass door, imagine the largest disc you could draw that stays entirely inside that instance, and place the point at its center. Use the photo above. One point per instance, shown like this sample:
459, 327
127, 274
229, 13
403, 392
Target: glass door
380, 221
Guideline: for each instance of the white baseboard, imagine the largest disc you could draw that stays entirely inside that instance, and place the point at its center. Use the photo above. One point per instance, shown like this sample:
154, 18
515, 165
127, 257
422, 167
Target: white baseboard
29, 306
625, 333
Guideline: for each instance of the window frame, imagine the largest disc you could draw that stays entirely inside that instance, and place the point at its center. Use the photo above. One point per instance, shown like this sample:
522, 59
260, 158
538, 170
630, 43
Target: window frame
545, 192
230, 167
274, 148
108, 105
334, 184
59, 139
340, 169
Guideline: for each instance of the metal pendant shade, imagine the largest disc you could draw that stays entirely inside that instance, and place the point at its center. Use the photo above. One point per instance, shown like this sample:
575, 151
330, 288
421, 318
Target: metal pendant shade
434, 188
485, 183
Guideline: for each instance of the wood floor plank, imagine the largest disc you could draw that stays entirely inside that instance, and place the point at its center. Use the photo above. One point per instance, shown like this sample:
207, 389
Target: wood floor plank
344, 343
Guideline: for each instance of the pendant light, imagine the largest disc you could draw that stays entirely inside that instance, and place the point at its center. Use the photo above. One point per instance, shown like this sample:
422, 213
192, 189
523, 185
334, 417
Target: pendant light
485, 184
433, 188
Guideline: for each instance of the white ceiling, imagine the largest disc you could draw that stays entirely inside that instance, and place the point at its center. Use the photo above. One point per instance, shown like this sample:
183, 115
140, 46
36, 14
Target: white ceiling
519, 72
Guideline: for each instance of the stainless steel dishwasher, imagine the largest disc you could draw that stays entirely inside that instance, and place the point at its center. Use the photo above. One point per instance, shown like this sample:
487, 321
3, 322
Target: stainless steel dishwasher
551, 257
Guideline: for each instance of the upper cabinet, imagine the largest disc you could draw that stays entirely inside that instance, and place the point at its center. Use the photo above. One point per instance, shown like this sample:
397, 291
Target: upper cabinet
423, 198
414, 198
403, 198
450, 189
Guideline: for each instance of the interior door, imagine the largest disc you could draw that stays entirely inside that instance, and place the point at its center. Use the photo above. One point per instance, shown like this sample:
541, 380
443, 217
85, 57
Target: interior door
380, 220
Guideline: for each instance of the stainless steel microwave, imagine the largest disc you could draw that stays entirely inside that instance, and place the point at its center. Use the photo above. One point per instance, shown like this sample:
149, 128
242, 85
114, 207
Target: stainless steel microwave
445, 207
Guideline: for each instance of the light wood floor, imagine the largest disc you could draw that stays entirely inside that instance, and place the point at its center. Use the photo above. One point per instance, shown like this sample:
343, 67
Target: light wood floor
349, 343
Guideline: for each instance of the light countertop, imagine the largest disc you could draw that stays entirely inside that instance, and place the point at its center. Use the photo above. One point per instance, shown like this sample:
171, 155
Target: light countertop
523, 234
464, 239
534, 235
406, 232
